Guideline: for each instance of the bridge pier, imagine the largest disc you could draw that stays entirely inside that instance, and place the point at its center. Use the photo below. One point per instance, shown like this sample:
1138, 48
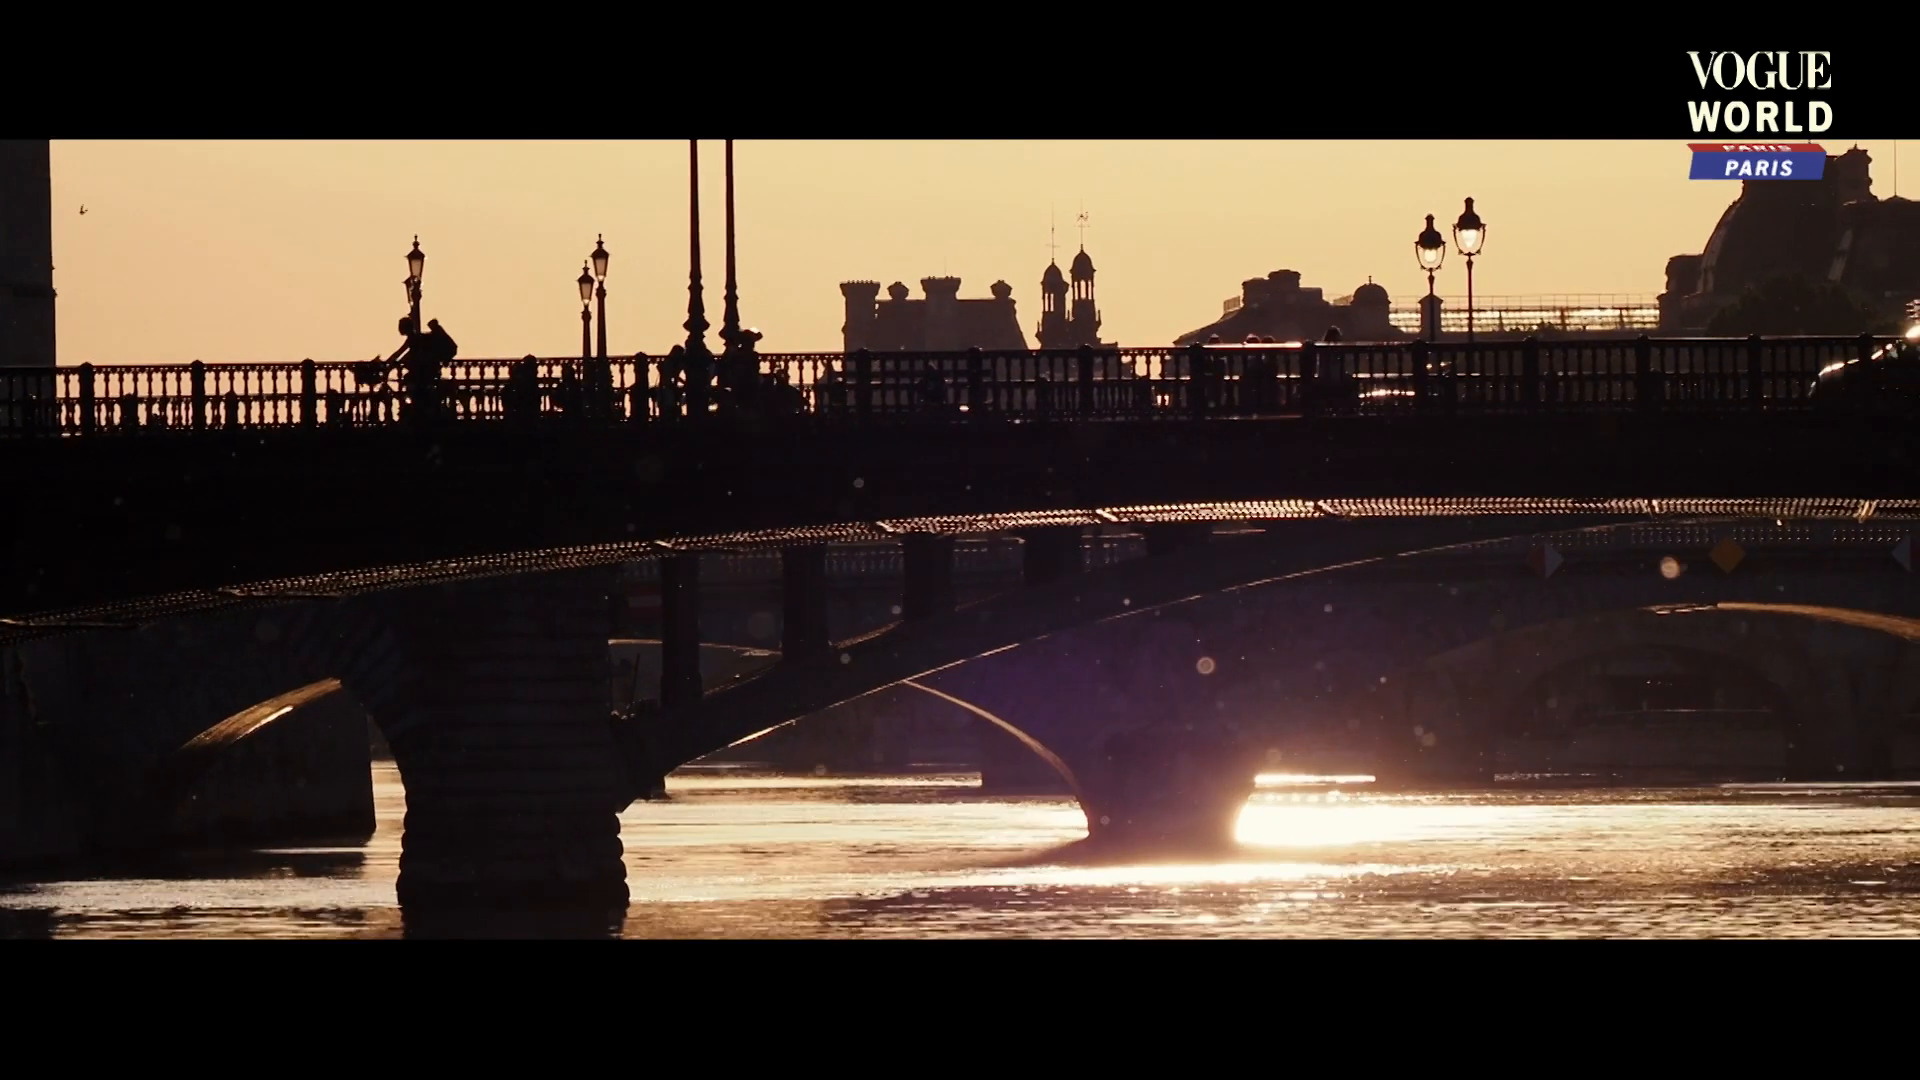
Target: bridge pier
1172, 536
514, 781
680, 682
803, 597
1050, 553
928, 590
1167, 788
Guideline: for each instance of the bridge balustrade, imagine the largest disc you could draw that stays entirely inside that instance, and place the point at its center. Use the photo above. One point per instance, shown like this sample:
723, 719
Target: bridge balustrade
995, 560
1688, 375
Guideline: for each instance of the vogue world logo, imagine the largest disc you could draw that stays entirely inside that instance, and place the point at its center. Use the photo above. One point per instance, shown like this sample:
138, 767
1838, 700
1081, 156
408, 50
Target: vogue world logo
1761, 92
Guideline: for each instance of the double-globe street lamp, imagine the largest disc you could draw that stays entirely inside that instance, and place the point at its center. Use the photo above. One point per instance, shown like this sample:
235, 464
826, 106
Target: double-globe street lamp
416, 267
593, 291
1469, 233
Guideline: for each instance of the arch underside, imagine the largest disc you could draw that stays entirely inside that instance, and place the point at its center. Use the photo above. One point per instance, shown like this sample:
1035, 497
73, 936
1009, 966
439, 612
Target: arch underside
1445, 518
1248, 633
1276, 644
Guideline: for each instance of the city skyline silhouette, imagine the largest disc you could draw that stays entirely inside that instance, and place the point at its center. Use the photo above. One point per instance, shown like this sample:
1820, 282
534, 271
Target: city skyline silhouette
272, 251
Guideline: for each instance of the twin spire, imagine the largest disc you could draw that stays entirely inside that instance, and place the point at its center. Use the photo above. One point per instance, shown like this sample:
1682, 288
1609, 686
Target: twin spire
697, 325
1082, 222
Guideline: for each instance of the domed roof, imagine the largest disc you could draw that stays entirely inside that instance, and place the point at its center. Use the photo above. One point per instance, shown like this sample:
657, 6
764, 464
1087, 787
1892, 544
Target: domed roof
1001, 290
897, 291
1053, 276
1082, 264
1370, 295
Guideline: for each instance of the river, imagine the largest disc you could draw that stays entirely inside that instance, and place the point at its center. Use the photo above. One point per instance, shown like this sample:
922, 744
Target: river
745, 856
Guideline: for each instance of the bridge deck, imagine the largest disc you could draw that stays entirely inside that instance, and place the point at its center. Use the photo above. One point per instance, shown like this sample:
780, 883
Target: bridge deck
1529, 376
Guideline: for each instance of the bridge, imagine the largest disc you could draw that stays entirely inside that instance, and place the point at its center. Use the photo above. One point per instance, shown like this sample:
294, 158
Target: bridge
173, 473
251, 530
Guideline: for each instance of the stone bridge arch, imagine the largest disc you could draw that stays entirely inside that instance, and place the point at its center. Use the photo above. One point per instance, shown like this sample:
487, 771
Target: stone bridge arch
1250, 638
1456, 709
1290, 654
493, 696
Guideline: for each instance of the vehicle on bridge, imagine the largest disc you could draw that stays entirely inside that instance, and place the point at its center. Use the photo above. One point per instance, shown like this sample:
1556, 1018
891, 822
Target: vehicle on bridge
1887, 380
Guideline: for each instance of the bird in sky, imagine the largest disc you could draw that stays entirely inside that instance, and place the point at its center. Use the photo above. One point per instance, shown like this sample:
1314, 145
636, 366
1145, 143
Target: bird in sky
83, 210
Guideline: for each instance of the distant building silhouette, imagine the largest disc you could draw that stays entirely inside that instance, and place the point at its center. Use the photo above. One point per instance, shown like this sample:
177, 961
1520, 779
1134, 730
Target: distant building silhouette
1277, 307
26, 253
1069, 318
1831, 229
937, 322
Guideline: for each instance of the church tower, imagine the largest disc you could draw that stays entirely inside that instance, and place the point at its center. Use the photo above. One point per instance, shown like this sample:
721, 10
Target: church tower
1085, 317
1054, 331
26, 253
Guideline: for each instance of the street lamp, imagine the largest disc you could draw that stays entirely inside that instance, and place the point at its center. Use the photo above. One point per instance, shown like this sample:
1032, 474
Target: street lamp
1468, 234
585, 282
1431, 249
599, 259
416, 269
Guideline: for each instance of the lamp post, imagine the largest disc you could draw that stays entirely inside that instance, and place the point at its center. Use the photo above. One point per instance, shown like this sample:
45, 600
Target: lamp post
585, 282
599, 259
696, 324
1468, 234
416, 268
730, 317
1431, 249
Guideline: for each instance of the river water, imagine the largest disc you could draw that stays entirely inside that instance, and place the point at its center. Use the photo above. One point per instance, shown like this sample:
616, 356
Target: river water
744, 856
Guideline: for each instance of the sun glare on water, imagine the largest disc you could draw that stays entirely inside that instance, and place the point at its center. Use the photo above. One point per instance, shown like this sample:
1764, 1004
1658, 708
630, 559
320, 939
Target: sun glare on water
1300, 811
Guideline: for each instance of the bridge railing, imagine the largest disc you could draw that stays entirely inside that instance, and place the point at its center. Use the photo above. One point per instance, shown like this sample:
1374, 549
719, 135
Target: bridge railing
976, 560
1109, 383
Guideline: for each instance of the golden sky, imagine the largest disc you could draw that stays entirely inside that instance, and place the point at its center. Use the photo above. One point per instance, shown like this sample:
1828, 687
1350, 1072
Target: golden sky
275, 251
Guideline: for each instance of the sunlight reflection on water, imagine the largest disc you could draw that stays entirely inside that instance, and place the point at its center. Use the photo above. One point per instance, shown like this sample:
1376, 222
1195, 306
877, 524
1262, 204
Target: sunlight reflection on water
737, 855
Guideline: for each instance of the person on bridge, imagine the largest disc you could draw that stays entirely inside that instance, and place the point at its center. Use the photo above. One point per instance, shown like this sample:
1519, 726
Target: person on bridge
830, 391
672, 366
424, 356
522, 399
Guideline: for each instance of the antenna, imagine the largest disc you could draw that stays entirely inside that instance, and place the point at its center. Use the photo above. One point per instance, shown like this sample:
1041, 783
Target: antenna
1083, 220
1053, 229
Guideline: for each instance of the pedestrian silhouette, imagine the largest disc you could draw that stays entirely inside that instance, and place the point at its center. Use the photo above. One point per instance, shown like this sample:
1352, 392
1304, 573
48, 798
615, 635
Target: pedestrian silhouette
786, 397
444, 348
425, 355
523, 391
830, 392
697, 376
672, 367
569, 396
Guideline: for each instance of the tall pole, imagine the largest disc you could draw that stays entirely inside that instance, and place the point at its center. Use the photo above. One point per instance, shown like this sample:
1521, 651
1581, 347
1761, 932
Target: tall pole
1433, 310
600, 299
696, 304
730, 320
1469, 299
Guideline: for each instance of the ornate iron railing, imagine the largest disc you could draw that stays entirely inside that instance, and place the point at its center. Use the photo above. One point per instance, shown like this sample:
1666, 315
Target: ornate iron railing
1232, 381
